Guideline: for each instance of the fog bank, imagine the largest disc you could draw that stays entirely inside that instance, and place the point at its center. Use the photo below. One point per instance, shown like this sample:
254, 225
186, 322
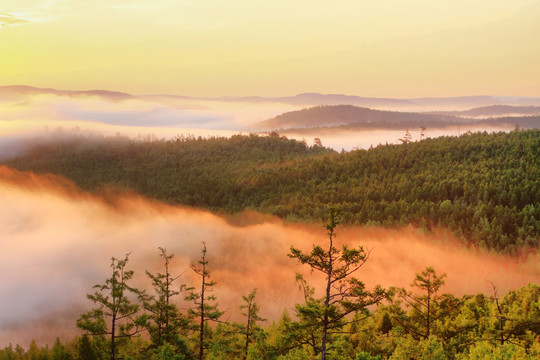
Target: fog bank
57, 242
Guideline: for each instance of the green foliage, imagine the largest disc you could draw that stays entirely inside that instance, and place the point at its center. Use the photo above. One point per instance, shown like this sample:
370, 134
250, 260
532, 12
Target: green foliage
428, 308
484, 187
516, 317
361, 338
251, 330
362, 355
428, 349
59, 352
487, 351
166, 352
36, 353
85, 349
8, 353
385, 324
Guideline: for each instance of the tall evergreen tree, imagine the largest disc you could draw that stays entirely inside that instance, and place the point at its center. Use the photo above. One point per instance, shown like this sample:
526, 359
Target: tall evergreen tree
250, 309
165, 322
115, 315
428, 306
205, 308
344, 294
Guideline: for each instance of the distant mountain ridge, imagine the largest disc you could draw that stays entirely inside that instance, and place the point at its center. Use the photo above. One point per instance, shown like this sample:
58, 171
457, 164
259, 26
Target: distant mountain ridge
14, 91
304, 99
494, 110
340, 99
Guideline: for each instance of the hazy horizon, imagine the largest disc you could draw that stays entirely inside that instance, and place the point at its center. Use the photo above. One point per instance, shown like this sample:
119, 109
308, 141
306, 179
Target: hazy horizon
27, 117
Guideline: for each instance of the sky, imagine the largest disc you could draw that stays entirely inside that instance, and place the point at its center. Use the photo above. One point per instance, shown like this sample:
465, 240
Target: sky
384, 48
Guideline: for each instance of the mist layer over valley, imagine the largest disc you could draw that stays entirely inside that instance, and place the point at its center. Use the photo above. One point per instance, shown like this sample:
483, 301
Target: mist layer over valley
57, 242
28, 112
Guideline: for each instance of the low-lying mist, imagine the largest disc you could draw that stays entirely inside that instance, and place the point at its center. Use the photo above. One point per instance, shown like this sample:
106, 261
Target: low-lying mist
350, 139
161, 116
45, 117
57, 242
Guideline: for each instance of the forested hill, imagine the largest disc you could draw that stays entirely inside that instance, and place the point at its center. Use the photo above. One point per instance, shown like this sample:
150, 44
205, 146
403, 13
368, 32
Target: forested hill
338, 115
484, 187
353, 117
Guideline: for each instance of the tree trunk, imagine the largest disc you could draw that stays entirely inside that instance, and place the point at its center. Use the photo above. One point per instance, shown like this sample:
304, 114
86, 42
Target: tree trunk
327, 299
201, 333
246, 347
113, 326
428, 315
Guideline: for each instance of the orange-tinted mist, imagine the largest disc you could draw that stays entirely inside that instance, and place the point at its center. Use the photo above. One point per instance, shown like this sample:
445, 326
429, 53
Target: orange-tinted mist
56, 243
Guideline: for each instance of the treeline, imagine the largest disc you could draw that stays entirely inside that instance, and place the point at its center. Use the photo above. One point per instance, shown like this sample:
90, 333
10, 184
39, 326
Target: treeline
484, 187
348, 322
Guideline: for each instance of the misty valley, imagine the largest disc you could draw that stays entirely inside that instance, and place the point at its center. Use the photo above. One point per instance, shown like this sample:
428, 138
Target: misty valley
269, 180
261, 246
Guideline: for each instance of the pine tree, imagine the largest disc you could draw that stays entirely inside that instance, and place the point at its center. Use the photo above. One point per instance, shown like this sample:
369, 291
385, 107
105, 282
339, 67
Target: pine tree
344, 294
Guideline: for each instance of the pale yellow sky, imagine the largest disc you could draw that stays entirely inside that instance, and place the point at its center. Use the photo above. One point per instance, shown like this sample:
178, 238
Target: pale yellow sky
383, 48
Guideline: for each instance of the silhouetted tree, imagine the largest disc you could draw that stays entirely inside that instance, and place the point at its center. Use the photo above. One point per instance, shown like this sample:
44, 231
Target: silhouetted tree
428, 306
115, 314
407, 138
59, 352
165, 322
344, 294
85, 349
204, 309
251, 311
385, 324
422, 132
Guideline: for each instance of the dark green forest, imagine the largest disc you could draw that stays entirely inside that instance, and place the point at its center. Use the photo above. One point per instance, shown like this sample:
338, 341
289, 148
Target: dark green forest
484, 187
